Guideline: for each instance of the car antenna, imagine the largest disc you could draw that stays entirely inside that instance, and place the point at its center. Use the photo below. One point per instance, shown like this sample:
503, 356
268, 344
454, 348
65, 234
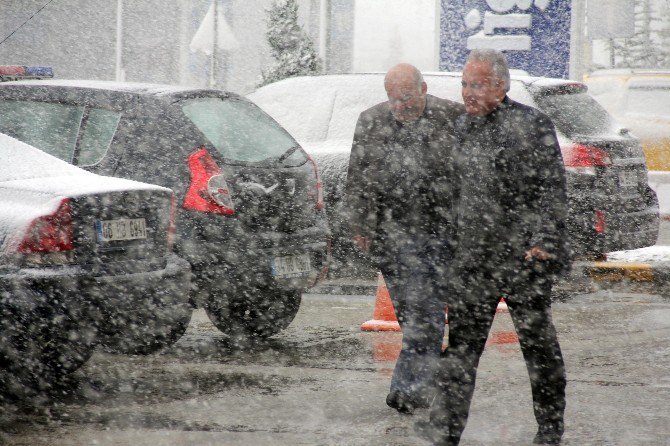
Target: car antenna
29, 18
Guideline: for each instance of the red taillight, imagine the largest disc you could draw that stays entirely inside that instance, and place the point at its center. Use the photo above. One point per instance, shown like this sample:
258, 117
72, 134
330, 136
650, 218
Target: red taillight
208, 191
172, 228
317, 192
580, 156
600, 222
50, 233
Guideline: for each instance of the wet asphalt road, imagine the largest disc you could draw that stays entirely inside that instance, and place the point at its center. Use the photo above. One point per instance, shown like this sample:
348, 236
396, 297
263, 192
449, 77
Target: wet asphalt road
323, 382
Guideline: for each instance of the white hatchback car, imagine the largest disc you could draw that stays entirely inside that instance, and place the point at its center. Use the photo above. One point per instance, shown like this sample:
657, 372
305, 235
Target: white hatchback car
611, 205
640, 101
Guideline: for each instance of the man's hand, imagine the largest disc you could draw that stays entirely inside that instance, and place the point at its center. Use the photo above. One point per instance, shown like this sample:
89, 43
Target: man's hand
361, 242
537, 253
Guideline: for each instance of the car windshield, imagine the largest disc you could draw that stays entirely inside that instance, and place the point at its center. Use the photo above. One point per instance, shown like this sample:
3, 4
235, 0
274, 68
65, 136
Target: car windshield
575, 114
648, 101
241, 132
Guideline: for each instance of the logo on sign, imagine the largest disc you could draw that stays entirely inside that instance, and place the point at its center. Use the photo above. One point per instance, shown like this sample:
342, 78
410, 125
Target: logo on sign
535, 34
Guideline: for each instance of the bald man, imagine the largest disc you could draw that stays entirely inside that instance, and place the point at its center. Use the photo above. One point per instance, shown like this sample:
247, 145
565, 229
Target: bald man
398, 196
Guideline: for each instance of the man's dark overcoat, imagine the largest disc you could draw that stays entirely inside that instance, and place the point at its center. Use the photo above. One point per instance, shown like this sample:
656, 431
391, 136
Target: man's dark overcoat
511, 189
399, 181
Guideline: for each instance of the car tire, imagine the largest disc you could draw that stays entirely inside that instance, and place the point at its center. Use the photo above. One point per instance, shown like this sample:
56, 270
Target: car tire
150, 330
40, 348
254, 312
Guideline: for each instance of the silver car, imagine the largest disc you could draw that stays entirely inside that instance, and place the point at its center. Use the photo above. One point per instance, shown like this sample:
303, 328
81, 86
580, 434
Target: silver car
84, 259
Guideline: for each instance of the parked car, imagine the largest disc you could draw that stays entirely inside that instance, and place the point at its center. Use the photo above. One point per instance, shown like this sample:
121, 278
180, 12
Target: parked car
250, 217
611, 205
640, 101
83, 259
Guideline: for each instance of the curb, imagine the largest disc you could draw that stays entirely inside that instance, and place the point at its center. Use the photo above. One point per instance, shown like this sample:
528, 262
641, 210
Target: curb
654, 273
342, 286
620, 271
657, 272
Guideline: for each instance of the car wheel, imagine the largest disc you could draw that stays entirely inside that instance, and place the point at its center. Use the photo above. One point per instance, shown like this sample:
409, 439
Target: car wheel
40, 348
260, 312
149, 331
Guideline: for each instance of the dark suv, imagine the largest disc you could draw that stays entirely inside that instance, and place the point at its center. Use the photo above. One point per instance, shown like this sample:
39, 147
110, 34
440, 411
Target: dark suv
611, 205
251, 218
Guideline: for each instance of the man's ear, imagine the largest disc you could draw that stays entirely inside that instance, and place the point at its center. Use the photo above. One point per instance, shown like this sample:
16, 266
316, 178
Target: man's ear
424, 88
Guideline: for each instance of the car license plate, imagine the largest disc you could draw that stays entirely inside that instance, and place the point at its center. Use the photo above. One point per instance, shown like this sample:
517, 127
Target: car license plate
628, 179
291, 266
121, 229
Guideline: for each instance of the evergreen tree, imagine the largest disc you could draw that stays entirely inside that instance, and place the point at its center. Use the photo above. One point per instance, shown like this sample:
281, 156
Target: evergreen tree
645, 48
291, 48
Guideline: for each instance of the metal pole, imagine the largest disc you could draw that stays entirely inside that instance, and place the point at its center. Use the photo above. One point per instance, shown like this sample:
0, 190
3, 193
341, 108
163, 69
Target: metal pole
578, 39
215, 34
324, 31
119, 41
438, 35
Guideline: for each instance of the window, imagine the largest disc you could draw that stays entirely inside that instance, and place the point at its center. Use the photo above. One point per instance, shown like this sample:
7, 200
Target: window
575, 114
52, 128
100, 126
350, 101
651, 100
240, 131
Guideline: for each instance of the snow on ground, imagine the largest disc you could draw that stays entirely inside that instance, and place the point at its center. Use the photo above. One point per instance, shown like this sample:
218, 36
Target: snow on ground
656, 253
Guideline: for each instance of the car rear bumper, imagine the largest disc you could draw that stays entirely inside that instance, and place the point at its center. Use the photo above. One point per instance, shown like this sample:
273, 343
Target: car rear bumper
216, 262
108, 300
622, 231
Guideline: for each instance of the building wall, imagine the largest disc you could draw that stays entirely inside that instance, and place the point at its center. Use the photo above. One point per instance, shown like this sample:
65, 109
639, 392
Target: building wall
407, 33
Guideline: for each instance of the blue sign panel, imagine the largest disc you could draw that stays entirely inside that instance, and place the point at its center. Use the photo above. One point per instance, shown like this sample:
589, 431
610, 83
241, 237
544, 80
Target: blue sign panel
534, 34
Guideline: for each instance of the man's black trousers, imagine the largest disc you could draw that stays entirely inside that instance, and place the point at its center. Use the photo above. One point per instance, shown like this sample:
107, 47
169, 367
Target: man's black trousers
527, 291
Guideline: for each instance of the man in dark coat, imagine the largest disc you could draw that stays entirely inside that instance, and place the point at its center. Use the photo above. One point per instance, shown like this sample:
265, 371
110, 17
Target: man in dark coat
397, 193
512, 242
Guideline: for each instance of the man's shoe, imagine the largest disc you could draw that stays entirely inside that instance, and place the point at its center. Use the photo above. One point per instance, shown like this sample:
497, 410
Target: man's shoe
400, 401
435, 435
404, 402
548, 434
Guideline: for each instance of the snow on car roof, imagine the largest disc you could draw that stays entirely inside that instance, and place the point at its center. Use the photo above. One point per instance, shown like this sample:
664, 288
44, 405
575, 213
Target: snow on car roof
515, 75
127, 87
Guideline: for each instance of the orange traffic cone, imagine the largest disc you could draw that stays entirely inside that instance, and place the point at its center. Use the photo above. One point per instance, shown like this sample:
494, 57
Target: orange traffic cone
383, 316
502, 306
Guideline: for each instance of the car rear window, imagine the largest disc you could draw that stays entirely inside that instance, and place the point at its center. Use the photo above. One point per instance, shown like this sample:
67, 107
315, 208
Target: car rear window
648, 100
241, 132
348, 105
72, 133
575, 114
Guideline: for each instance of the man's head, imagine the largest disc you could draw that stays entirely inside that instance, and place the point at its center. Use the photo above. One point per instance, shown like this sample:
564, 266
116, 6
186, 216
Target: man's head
485, 81
406, 91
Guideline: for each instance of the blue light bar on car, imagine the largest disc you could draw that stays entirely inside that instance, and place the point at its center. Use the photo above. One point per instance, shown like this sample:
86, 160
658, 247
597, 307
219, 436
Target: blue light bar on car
18, 72
39, 71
